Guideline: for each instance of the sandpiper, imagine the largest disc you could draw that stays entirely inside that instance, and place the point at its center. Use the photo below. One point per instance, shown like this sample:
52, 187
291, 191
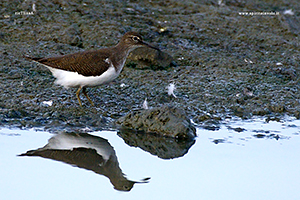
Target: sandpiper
92, 68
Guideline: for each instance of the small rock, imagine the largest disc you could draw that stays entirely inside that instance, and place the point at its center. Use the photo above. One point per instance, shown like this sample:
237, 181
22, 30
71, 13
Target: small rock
166, 121
293, 23
218, 141
146, 57
288, 73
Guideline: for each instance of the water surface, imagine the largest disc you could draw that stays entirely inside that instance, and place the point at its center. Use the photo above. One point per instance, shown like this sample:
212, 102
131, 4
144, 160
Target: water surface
243, 160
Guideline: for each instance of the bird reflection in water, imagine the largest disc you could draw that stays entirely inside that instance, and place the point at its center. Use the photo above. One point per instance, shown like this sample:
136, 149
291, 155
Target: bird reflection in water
89, 152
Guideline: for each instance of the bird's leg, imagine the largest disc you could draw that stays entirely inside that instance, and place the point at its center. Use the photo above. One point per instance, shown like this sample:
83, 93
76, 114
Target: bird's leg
85, 94
77, 95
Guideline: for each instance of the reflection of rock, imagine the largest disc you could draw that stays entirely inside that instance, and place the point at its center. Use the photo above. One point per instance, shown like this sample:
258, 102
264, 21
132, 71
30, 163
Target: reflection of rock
88, 152
163, 147
147, 56
166, 121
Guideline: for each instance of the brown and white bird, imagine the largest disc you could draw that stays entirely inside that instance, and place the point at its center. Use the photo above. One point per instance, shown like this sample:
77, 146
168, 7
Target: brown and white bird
92, 68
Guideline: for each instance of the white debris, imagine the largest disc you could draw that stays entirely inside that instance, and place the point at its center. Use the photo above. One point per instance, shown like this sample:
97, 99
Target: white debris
48, 103
33, 7
85, 129
171, 87
279, 63
288, 12
248, 61
122, 85
247, 92
145, 104
221, 3
130, 9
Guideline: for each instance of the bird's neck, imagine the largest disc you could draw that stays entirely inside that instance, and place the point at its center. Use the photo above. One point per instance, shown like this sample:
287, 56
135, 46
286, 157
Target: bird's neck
120, 53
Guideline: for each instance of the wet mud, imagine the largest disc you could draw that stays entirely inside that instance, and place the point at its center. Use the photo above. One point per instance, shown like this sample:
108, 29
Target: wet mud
227, 63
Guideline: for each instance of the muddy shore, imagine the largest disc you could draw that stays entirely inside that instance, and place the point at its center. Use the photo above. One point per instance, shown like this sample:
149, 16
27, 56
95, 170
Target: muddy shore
228, 63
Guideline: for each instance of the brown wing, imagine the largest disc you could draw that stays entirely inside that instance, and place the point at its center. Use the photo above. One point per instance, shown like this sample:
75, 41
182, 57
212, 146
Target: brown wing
88, 63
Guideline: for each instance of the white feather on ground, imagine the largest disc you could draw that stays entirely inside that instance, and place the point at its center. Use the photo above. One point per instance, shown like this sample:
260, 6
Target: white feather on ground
288, 12
33, 7
171, 87
48, 103
145, 104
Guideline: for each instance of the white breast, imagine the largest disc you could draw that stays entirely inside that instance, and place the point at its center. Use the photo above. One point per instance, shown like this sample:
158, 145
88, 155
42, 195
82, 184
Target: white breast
73, 79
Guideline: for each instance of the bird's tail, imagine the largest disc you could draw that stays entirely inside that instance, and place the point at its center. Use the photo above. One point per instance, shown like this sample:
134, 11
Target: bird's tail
31, 58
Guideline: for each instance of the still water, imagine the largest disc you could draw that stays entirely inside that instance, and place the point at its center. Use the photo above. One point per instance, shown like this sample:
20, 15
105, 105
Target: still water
243, 160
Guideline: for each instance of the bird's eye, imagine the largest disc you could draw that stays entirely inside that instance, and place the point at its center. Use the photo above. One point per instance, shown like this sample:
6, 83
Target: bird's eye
135, 38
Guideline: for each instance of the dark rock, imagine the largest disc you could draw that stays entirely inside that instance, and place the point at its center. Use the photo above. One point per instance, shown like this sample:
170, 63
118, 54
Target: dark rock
218, 141
287, 73
16, 113
146, 57
238, 129
269, 136
293, 23
166, 121
2, 37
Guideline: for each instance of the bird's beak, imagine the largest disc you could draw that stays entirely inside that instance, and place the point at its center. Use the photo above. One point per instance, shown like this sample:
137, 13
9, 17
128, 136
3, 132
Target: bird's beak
148, 45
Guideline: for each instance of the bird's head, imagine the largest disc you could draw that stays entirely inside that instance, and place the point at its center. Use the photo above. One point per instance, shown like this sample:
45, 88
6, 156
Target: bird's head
134, 40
